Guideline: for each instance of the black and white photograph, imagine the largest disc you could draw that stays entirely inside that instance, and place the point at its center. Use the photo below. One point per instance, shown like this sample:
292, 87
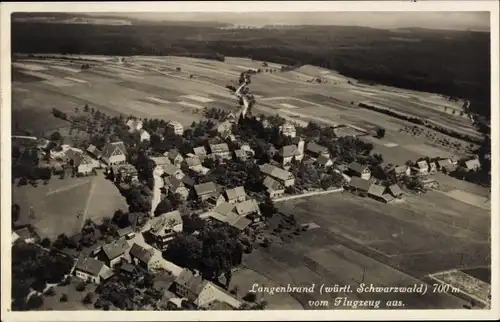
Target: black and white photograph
205, 160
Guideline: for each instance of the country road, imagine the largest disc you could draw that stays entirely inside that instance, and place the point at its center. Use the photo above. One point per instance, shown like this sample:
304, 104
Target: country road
156, 191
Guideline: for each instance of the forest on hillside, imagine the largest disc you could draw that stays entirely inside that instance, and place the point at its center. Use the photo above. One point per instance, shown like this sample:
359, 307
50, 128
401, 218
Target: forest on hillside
452, 63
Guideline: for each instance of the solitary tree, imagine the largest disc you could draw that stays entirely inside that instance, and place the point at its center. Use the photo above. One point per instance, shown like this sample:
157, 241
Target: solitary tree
380, 132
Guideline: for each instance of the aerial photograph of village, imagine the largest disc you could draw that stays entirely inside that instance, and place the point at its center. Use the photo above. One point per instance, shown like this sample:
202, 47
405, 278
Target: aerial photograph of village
250, 161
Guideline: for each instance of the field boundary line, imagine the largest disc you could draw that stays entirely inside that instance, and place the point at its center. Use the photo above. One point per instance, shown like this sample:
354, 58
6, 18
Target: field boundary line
309, 194
87, 204
66, 188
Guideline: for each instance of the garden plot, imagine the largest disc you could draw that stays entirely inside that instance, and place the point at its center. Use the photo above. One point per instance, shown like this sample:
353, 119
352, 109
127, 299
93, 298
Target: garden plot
466, 284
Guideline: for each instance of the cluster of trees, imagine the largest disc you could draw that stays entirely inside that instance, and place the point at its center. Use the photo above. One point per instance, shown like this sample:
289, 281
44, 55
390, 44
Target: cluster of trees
59, 114
138, 197
32, 268
215, 113
213, 252
419, 121
308, 176
235, 173
480, 177
26, 166
127, 294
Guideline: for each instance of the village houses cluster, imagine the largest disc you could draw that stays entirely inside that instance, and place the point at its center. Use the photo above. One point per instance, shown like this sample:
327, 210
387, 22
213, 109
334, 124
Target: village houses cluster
228, 205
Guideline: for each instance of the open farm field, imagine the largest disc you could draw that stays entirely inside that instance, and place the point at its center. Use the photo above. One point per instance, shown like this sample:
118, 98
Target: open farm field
57, 204
397, 232
364, 241
154, 87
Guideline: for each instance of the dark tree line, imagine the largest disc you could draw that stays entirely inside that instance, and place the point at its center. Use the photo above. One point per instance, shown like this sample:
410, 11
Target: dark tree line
451, 63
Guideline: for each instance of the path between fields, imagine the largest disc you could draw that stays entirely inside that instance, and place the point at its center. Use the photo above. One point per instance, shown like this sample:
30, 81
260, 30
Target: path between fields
67, 187
87, 204
309, 194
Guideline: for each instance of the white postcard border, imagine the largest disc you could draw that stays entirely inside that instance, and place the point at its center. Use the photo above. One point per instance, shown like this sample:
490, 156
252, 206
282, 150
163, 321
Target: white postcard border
243, 6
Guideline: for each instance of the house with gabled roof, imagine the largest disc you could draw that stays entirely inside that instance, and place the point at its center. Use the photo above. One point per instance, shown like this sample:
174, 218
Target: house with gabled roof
114, 153
432, 167
211, 293
284, 177
134, 125
445, 165
165, 227
224, 128
175, 127
235, 195
246, 147
395, 191
472, 165
193, 163
141, 256
249, 208
287, 154
225, 208
200, 151
231, 118
315, 150
83, 163
112, 253
215, 200
170, 170
15, 237
378, 192
359, 185
422, 167
144, 135
401, 170
205, 190
175, 157
92, 270
182, 187
202, 293
359, 170
27, 235
93, 151
161, 161
288, 129
221, 151
274, 188
324, 162
241, 155
126, 232
226, 213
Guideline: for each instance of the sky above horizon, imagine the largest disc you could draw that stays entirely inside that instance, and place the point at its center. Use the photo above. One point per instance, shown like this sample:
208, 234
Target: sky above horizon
384, 20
